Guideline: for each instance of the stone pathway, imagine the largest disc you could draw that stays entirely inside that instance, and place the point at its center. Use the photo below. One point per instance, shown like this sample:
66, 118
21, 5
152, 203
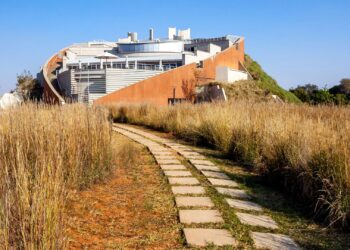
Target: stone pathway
195, 207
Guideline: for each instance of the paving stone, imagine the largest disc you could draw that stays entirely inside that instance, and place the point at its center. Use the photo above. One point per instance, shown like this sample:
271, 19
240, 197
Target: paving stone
202, 162
209, 168
179, 146
218, 175
183, 181
165, 157
158, 149
244, 205
187, 190
157, 153
273, 241
176, 173
200, 216
174, 161
184, 150
189, 153
195, 157
173, 167
219, 182
233, 192
257, 220
202, 237
184, 201
172, 144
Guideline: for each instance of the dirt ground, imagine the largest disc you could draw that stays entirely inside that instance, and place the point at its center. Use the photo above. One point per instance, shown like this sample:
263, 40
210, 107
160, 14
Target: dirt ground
133, 209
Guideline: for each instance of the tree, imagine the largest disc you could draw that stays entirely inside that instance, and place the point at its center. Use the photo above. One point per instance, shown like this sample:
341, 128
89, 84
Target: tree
340, 99
28, 87
310, 93
342, 88
305, 93
322, 97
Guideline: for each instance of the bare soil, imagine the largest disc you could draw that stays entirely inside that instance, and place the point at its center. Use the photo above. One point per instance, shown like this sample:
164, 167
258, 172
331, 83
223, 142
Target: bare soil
134, 209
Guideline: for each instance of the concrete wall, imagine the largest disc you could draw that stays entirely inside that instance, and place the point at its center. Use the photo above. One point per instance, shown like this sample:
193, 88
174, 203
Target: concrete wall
196, 58
158, 89
50, 94
227, 75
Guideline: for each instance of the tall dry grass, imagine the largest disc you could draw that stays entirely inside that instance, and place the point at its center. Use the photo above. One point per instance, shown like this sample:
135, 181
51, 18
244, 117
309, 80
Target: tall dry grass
44, 152
302, 148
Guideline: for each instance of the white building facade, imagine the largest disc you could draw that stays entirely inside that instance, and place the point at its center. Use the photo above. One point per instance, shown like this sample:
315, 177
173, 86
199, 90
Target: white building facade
94, 69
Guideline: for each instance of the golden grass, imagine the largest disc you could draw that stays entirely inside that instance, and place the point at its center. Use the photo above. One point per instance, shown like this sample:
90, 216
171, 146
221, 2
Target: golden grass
302, 148
44, 152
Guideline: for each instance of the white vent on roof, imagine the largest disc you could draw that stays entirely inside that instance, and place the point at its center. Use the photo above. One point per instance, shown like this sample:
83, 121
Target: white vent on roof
184, 34
171, 33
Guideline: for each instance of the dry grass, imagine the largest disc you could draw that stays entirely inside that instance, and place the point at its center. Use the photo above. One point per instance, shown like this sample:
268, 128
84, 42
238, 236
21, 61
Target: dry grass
45, 152
304, 149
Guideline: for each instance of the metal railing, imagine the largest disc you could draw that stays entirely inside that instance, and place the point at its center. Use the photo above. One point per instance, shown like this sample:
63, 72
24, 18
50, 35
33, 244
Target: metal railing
152, 67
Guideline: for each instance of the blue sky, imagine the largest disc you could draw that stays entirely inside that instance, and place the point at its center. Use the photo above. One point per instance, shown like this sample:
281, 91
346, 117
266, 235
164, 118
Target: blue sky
297, 42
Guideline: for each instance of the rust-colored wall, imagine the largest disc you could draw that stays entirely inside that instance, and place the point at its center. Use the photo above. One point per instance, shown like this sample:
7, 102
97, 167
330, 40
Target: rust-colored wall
158, 89
229, 57
155, 90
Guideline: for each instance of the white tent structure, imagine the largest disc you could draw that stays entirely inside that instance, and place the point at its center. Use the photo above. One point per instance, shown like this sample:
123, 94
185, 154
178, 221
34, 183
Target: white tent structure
106, 55
9, 100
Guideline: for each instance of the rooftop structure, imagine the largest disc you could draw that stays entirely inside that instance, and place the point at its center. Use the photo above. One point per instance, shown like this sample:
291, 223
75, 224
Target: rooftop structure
89, 71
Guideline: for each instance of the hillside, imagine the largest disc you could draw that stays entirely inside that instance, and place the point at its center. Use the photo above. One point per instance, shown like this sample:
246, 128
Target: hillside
266, 83
247, 90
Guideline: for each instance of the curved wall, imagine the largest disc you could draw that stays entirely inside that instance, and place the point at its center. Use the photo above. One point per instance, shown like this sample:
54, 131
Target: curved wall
51, 95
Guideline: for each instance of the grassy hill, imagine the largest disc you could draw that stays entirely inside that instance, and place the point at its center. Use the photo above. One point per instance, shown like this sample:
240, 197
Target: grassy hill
247, 90
266, 82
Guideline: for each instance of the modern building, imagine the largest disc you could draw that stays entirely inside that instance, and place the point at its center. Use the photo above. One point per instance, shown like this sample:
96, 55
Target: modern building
131, 70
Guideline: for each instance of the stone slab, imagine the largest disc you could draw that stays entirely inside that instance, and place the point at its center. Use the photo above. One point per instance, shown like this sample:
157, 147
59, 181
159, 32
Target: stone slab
257, 220
195, 157
273, 241
161, 153
218, 175
179, 146
244, 205
202, 162
165, 157
158, 150
202, 237
183, 181
219, 182
177, 173
200, 216
183, 150
185, 201
209, 168
168, 162
233, 192
189, 153
177, 190
173, 167
172, 144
